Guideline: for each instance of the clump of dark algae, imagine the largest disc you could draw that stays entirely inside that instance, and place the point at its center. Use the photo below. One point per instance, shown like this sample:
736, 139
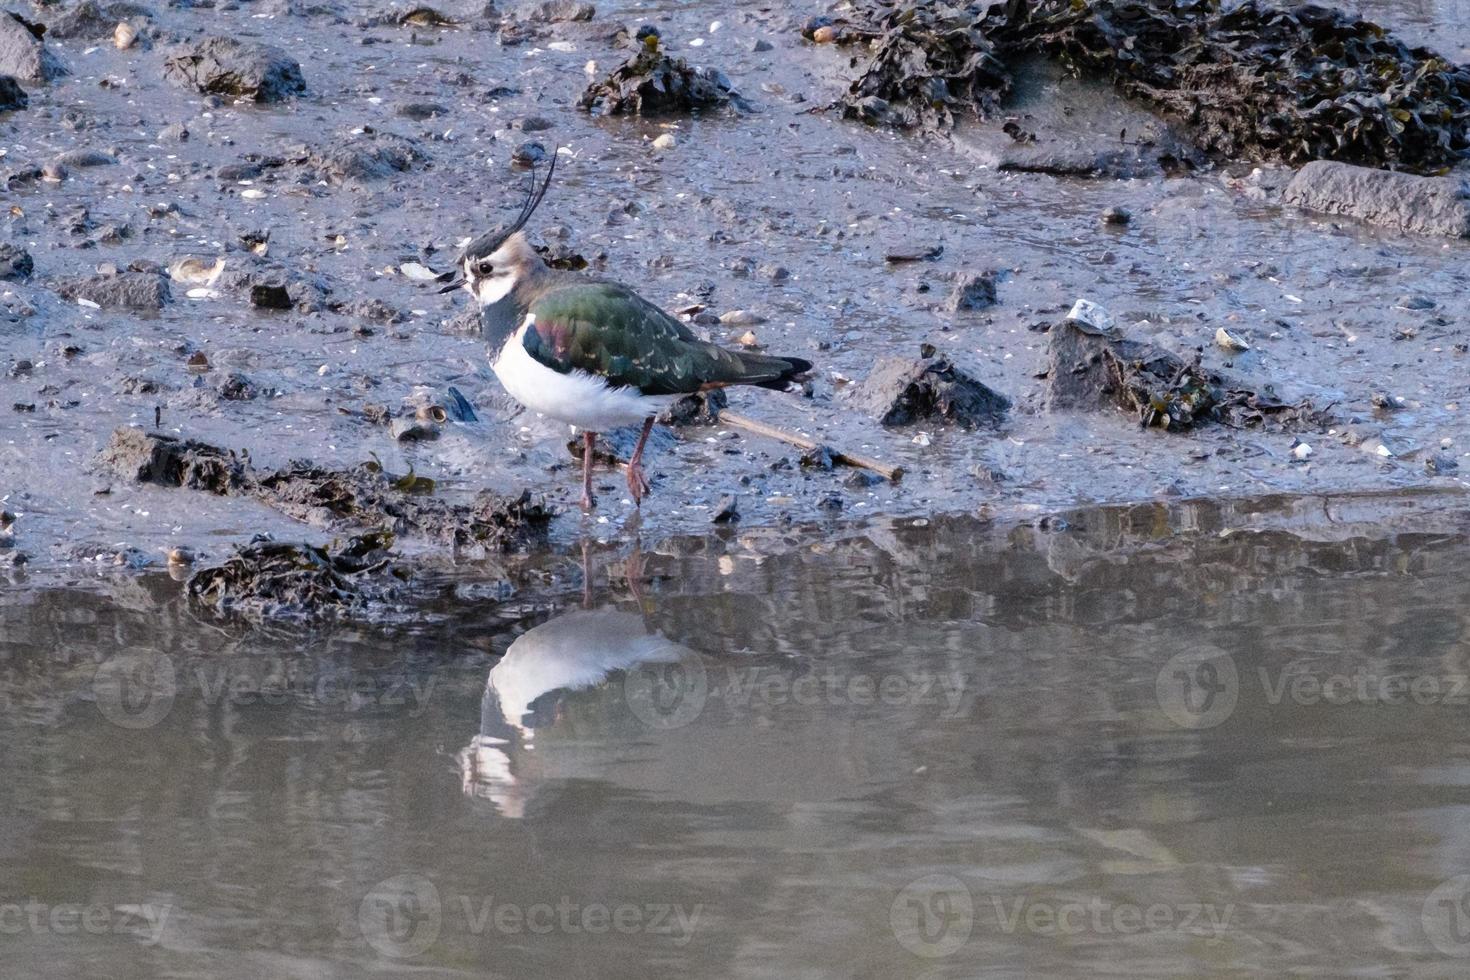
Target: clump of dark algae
294, 580
1092, 369
1248, 81
652, 82
288, 580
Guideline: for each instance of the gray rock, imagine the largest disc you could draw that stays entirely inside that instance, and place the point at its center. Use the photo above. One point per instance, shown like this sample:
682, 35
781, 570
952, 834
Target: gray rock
902, 391
972, 291
555, 11
411, 429
225, 66
761, 44
421, 110
1424, 205
22, 52
366, 156
91, 21
12, 96
15, 262
84, 158
727, 511
124, 291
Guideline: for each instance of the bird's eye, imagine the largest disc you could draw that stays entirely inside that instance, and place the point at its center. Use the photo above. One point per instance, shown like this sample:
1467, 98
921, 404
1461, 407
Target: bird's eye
484, 267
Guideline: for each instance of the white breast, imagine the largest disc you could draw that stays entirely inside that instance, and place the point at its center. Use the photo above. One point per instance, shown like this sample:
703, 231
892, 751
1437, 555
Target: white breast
577, 398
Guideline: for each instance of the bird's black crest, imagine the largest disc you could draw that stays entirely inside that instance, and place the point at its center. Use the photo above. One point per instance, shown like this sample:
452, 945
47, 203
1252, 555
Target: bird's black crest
491, 240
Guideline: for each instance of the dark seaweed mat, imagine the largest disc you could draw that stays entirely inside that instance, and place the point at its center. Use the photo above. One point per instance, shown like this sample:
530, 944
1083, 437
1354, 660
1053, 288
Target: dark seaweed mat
1254, 81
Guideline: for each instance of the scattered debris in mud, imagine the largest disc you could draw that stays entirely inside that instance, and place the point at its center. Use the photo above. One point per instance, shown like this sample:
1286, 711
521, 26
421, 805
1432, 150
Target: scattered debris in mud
1425, 205
653, 83
363, 497
903, 391
280, 580
226, 66
1093, 367
1248, 80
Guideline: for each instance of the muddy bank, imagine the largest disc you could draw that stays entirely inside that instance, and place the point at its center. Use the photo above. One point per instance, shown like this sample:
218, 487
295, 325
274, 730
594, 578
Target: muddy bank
1250, 80
258, 275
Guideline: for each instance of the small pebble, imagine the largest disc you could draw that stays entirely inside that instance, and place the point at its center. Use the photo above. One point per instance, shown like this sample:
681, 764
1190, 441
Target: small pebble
1116, 216
665, 142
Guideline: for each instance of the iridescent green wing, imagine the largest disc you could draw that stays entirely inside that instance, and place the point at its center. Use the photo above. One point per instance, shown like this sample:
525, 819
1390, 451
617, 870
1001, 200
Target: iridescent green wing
610, 331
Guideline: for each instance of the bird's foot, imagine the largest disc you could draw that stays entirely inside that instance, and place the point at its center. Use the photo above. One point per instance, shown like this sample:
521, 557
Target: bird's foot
638, 484
589, 503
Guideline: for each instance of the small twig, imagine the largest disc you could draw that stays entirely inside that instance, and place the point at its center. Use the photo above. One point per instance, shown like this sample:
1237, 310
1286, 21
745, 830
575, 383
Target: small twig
891, 473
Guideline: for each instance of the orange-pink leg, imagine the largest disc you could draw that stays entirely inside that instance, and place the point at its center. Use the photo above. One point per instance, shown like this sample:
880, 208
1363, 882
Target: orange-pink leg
638, 484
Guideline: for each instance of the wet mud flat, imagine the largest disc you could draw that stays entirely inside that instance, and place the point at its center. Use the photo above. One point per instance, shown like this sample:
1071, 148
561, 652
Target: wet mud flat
248, 269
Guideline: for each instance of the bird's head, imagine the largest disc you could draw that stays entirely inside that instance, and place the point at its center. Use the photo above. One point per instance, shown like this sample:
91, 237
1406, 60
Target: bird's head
492, 264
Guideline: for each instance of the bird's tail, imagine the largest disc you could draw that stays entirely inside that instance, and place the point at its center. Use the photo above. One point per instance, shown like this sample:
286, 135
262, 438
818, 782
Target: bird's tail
790, 370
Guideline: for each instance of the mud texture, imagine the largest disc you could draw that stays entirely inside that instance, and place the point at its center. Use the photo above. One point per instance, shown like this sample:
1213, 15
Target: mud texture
298, 240
1248, 80
363, 497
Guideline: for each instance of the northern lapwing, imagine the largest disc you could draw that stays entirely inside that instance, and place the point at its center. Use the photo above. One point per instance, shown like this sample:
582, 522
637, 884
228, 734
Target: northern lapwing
590, 352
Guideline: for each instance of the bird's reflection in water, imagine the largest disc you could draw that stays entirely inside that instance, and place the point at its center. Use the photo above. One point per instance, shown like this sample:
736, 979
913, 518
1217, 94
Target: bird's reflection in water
575, 651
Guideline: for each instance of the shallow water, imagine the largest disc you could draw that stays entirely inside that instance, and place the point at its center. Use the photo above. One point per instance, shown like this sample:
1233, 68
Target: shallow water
1198, 740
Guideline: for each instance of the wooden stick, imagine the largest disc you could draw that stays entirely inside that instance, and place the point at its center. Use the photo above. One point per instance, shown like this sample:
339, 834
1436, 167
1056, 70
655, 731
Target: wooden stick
891, 473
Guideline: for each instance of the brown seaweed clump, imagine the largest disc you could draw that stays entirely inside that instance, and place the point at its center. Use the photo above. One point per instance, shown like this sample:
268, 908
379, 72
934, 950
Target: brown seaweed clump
654, 83
288, 580
1249, 81
1092, 370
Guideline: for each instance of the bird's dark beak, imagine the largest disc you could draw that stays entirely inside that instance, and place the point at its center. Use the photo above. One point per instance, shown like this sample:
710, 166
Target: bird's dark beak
452, 279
